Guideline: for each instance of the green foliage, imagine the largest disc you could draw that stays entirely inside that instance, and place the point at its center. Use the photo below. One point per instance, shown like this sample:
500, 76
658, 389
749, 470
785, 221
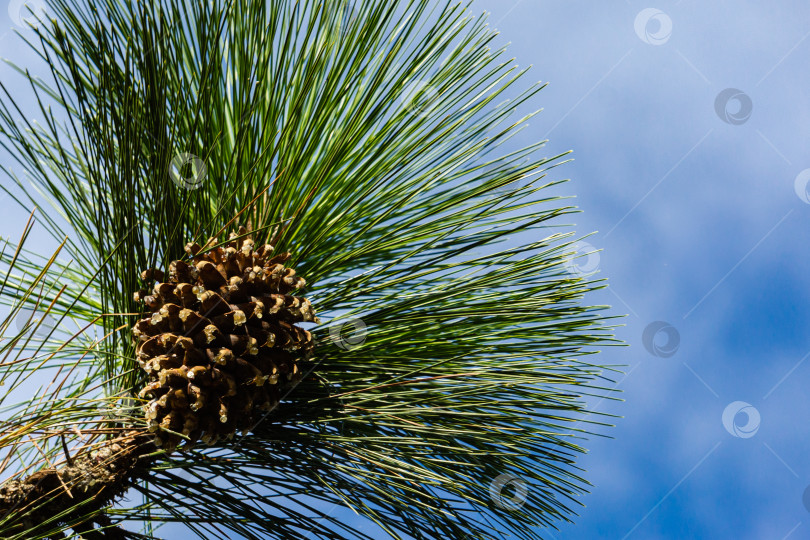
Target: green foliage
65, 409
368, 141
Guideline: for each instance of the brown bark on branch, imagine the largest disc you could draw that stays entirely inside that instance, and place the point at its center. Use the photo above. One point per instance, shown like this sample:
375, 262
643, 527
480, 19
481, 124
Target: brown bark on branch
90, 482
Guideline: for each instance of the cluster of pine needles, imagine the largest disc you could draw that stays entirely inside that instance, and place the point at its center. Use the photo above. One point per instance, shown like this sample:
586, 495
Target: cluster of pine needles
374, 142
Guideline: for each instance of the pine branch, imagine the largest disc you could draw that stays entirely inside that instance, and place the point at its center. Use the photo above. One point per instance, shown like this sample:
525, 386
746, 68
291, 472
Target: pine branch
369, 141
73, 491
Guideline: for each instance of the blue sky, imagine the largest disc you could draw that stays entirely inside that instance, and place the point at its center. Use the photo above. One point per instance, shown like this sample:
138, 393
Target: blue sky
701, 227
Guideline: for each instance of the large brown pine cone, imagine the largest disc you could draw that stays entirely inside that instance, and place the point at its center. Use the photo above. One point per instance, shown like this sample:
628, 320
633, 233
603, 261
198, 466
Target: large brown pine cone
220, 345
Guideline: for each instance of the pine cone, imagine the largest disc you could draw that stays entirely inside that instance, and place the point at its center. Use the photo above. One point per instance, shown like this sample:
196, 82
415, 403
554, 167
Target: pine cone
220, 344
